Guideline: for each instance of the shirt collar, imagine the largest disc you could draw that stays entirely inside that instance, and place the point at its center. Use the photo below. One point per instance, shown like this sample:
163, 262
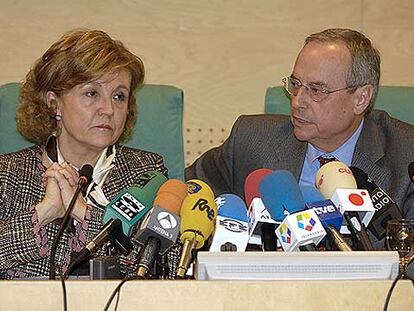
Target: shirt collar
343, 153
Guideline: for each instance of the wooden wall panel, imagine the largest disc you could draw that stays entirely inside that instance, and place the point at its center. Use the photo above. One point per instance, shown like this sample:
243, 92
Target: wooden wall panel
223, 54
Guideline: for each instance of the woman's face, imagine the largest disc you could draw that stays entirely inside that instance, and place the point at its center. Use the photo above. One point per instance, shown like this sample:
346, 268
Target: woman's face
93, 115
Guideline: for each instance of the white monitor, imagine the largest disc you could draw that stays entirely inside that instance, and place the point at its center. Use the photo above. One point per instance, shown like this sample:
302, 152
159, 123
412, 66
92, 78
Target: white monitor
376, 265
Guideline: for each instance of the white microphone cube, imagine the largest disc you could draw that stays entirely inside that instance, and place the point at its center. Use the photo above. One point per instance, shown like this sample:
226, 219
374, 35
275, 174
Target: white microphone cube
354, 200
300, 228
258, 214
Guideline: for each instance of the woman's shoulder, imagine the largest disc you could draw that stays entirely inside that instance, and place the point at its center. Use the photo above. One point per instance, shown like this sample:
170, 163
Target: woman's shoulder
134, 153
138, 158
23, 155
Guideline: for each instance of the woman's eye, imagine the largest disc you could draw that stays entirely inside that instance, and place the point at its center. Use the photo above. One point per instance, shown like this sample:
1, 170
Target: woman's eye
91, 93
120, 97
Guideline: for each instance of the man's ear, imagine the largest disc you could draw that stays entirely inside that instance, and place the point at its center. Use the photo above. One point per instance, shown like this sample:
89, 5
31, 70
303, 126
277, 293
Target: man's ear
363, 98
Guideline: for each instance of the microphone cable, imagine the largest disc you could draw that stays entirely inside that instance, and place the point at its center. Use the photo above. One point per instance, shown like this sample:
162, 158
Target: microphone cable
85, 177
117, 291
394, 283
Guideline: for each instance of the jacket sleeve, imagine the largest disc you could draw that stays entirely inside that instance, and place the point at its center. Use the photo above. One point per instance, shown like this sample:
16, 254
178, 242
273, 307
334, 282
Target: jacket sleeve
20, 237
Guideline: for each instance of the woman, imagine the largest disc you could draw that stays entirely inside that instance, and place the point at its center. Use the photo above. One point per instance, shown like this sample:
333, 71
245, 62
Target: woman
77, 103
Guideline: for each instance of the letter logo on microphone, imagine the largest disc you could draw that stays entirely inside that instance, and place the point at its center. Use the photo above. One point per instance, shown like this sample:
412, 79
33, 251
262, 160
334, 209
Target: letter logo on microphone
166, 220
201, 204
320, 181
232, 225
144, 179
305, 221
344, 170
192, 187
285, 233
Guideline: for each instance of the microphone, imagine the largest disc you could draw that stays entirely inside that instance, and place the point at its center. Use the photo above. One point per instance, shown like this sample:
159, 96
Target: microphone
336, 179
251, 184
197, 186
259, 218
281, 195
198, 214
385, 207
335, 238
85, 177
231, 224
161, 228
134, 202
334, 175
124, 211
300, 231
411, 171
329, 215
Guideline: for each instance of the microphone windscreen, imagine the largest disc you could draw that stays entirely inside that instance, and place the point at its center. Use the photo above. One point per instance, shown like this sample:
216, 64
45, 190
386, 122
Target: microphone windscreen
171, 195
251, 184
362, 180
411, 171
131, 204
198, 214
197, 186
232, 206
147, 186
311, 194
334, 175
87, 172
280, 192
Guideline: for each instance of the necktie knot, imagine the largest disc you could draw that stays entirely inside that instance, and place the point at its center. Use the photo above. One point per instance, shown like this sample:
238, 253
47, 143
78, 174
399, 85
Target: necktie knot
323, 159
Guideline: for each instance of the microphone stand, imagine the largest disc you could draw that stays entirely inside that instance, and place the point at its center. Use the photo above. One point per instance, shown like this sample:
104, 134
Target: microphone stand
82, 182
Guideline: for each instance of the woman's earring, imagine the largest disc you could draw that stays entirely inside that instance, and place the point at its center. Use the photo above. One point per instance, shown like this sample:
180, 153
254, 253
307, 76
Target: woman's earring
58, 117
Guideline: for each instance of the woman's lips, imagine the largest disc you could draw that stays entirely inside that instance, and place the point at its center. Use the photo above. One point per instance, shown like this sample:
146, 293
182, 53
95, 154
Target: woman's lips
104, 126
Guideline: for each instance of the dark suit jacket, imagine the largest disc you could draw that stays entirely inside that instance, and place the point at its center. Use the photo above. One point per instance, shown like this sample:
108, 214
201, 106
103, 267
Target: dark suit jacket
384, 150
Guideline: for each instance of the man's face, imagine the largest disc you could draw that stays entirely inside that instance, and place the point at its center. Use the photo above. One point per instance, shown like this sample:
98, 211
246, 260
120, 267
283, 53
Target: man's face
330, 122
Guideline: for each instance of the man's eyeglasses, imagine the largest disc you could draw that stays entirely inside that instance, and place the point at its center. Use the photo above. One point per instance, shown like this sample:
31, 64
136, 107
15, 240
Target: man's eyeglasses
316, 92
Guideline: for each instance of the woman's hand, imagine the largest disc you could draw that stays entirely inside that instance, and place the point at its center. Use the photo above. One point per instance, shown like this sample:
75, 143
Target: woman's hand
61, 182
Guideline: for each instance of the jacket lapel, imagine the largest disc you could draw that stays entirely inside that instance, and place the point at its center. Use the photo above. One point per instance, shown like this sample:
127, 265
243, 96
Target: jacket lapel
368, 151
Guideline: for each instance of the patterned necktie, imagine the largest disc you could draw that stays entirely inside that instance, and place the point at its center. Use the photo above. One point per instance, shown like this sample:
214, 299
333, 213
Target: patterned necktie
323, 159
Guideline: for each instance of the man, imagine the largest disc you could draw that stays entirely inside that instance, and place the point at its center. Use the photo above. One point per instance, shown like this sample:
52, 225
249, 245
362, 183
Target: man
333, 88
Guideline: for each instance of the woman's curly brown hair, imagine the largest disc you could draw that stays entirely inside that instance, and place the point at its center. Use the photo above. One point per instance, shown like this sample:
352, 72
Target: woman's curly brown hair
78, 57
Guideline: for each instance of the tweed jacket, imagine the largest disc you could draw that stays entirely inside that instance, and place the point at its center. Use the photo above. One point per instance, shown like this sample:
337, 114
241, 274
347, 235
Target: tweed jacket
25, 244
384, 150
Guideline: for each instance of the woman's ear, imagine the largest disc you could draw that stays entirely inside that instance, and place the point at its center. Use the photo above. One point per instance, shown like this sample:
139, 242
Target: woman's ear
364, 96
52, 102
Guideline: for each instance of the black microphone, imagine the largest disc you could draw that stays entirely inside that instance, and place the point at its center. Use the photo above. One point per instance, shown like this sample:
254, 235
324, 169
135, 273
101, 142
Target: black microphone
385, 207
411, 171
111, 231
85, 177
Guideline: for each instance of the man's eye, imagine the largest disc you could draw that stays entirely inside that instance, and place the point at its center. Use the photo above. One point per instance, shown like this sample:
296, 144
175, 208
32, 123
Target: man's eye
295, 83
316, 90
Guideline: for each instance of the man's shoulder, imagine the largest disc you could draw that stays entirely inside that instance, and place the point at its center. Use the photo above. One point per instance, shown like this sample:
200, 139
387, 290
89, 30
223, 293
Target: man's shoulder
265, 122
392, 129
